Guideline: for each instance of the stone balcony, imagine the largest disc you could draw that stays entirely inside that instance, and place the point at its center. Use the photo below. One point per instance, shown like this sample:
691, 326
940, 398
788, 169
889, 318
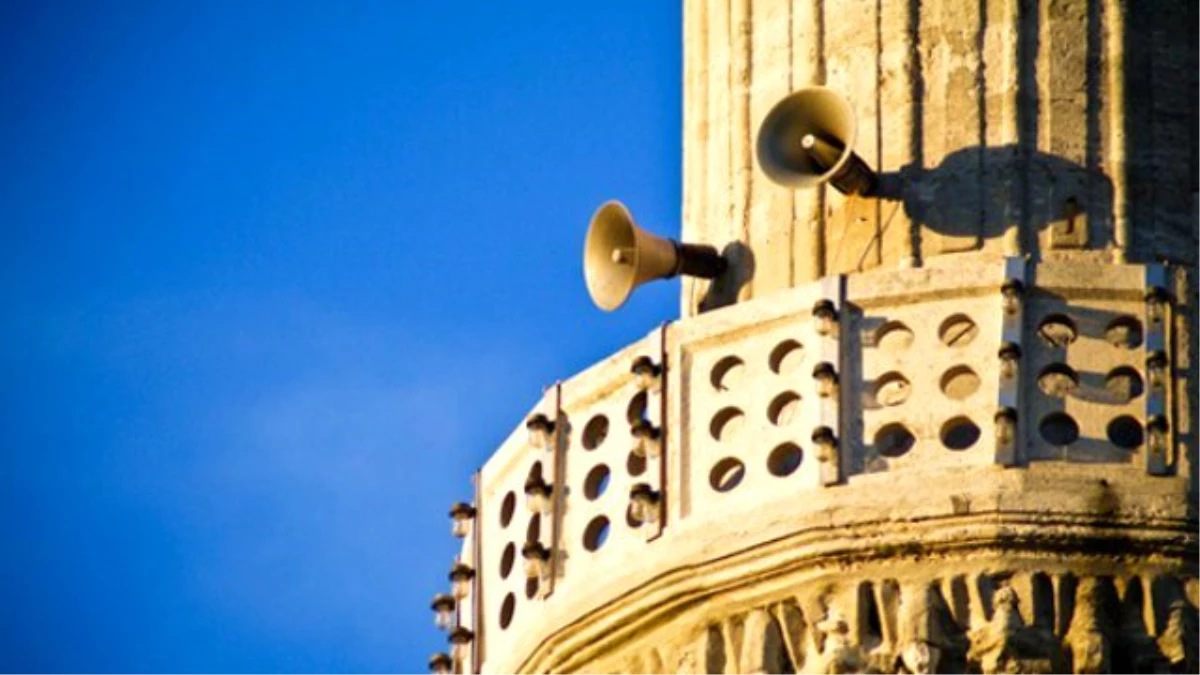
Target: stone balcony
1022, 430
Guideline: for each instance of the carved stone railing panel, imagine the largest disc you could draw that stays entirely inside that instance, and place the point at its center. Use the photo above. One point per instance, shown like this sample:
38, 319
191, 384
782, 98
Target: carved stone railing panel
750, 400
612, 431
923, 367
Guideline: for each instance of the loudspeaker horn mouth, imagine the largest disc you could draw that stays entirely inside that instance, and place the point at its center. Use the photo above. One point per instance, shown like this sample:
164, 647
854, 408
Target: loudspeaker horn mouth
619, 256
807, 140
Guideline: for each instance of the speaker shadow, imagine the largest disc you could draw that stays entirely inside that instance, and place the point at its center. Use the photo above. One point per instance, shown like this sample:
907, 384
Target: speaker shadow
971, 195
724, 290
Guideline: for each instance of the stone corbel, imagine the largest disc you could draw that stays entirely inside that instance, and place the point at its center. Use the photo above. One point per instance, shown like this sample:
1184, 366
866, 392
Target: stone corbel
1006, 645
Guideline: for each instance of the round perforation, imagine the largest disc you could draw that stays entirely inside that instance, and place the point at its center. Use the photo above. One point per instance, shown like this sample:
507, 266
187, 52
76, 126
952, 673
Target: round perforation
1058, 380
893, 337
784, 409
1058, 330
1123, 384
894, 440
959, 382
727, 474
507, 559
1059, 429
508, 506
1125, 432
635, 464
728, 373
596, 533
534, 531
637, 407
1124, 332
958, 330
786, 357
726, 423
596, 482
784, 460
594, 432
507, 608
892, 389
535, 471
959, 433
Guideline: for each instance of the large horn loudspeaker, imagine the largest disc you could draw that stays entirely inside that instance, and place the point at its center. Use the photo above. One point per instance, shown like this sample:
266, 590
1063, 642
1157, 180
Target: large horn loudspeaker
619, 256
808, 139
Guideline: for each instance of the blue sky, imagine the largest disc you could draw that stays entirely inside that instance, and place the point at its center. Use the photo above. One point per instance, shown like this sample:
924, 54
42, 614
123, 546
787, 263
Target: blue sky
278, 279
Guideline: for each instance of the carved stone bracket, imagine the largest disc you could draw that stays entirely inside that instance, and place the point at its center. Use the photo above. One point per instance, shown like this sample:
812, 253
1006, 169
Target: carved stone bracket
998, 622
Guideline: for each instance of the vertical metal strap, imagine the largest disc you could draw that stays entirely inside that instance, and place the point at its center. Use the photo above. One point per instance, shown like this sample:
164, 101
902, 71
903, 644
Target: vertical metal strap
477, 564
664, 441
558, 471
1016, 269
1158, 458
833, 289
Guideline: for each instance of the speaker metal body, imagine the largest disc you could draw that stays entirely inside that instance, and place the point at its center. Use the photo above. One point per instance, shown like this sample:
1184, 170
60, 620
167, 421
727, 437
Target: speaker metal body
807, 139
619, 256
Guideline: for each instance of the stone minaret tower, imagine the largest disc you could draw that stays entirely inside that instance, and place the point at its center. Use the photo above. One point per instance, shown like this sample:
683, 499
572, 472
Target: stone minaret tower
950, 427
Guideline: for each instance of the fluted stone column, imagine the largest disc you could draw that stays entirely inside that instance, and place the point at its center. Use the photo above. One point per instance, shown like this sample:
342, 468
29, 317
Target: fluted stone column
1062, 129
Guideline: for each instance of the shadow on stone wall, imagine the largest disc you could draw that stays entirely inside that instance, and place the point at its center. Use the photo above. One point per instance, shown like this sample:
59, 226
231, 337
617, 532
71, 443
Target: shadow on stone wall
723, 291
970, 196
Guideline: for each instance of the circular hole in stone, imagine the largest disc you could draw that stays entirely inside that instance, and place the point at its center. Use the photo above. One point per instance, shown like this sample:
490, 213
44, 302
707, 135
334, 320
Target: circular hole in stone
596, 533
596, 482
959, 433
959, 382
507, 508
726, 474
630, 520
1125, 432
507, 559
783, 408
1057, 380
786, 357
535, 471
785, 459
1058, 330
893, 336
635, 464
531, 587
506, 610
534, 531
594, 432
1059, 429
637, 407
727, 373
958, 330
892, 389
894, 440
1124, 332
726, 423
1123, 384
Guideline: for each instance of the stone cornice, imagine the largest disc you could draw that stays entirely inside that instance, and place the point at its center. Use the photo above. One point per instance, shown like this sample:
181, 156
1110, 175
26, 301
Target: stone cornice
1118, 543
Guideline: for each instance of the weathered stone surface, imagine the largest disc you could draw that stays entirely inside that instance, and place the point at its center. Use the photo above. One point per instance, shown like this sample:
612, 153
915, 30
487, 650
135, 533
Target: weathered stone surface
1006, 127
904, 539
984, 462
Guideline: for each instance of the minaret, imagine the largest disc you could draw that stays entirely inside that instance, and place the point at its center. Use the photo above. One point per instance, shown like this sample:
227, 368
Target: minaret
945, 426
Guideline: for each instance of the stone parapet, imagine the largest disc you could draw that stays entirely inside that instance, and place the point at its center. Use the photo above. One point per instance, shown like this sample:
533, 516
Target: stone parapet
986, 466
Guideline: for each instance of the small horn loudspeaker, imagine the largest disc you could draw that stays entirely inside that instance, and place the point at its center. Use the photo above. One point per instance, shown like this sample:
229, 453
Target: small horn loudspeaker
808, 139
619, 256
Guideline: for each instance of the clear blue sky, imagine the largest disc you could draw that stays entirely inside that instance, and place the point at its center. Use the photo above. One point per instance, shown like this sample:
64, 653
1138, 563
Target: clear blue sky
277, 280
